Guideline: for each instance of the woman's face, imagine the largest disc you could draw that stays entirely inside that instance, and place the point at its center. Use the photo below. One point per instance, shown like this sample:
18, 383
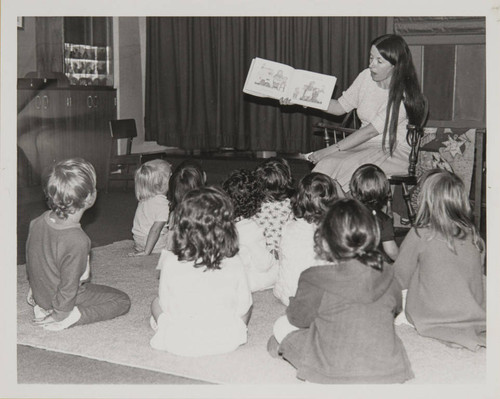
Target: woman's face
380, 68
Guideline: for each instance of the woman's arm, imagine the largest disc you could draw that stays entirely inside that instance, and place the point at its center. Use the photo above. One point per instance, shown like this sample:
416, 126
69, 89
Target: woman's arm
335, 108
353, 140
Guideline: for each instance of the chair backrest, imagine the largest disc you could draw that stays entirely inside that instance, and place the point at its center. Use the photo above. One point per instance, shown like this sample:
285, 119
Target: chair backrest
123, 129
413, 137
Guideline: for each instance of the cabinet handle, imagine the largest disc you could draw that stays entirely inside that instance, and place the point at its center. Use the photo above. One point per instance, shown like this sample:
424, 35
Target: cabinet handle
45, 102
89, 101
96, 102
38, 102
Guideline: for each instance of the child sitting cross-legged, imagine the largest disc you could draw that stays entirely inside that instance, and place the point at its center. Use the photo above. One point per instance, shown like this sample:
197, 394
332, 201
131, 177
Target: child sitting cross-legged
57, 255
370, 185
315, 193
187, 176
151, 217
440, 263
339, 326
260, 265
204, 301
275, 177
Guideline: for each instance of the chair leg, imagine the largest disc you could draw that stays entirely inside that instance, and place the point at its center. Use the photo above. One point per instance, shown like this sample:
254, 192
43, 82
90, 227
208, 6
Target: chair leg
407, 198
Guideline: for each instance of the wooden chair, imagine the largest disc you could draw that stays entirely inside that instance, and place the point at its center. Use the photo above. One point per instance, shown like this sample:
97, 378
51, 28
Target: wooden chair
414, 133
413, 136
122, 167
336, 132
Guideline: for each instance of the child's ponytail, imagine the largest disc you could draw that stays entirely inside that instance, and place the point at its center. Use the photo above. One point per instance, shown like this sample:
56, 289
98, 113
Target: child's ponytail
349, 231
372, 258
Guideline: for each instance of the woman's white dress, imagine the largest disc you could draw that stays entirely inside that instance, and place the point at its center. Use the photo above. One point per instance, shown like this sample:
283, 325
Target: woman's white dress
370, 102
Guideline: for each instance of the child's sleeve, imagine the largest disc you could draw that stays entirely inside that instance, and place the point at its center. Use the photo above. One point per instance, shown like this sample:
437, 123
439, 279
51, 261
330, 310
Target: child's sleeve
73, 263
407, 261
304, 306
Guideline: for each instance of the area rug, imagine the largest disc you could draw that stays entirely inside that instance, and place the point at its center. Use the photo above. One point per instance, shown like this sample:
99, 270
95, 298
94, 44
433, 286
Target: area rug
125, 340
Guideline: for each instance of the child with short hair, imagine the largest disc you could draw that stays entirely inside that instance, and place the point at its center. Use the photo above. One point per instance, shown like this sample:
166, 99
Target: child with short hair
244, 190
440, 263
57, 255
275, 177
315, 193
151, 217
370, 185
339, 327
204, 301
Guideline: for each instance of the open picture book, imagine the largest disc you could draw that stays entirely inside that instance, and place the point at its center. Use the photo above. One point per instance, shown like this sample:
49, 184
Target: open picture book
275, 80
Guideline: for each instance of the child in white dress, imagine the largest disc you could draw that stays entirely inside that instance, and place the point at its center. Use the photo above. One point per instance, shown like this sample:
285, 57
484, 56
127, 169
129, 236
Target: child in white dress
315, 193
151, 217
204, 301
260, 265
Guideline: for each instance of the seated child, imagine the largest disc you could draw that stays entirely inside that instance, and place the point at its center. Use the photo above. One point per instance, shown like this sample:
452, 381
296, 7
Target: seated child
57, 255
440, 263
339, 327
151, 217
369, 184
260, 265
315, 193
275, 177
187, 175
204, 301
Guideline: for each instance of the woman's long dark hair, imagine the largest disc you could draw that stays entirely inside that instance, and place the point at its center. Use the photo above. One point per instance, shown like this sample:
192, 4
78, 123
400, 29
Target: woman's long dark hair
404, 86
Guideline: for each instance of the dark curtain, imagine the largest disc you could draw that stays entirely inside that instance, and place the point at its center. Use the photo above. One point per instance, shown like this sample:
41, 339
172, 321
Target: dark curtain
196, 69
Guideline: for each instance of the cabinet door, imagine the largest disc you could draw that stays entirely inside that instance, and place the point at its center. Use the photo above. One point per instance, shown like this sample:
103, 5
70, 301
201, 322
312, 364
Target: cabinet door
90, 114
42, 127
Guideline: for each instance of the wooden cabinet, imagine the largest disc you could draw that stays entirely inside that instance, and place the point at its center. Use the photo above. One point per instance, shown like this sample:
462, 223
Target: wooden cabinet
54, 124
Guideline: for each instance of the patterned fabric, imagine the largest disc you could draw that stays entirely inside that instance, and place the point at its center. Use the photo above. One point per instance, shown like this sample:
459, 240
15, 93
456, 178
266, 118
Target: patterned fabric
449, 149
272, 217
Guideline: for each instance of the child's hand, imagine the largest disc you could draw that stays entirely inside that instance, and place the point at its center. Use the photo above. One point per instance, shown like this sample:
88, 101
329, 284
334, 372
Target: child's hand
140, 253
42, 321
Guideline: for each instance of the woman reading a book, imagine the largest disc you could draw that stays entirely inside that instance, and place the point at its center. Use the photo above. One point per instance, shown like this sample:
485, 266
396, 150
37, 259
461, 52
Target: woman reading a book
377, 95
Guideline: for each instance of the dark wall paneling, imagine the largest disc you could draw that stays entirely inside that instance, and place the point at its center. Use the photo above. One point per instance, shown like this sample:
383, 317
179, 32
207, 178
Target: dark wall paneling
417, 55
470, 95
439, 79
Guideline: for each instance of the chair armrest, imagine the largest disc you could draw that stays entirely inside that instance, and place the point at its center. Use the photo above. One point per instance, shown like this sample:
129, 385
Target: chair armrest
333, 127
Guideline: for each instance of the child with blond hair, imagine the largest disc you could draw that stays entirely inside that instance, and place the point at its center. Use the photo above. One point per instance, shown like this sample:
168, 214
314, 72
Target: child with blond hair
57, 255
151, 217
440, 264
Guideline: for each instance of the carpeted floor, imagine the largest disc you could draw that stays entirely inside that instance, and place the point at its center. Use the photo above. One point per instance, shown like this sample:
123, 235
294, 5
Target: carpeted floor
125, 340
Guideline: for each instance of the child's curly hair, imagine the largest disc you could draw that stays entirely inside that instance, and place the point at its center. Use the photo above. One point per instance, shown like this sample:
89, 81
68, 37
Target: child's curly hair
204, 229
370, 185
70, 183
245, 191
349, 230
276, 179
315, 193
